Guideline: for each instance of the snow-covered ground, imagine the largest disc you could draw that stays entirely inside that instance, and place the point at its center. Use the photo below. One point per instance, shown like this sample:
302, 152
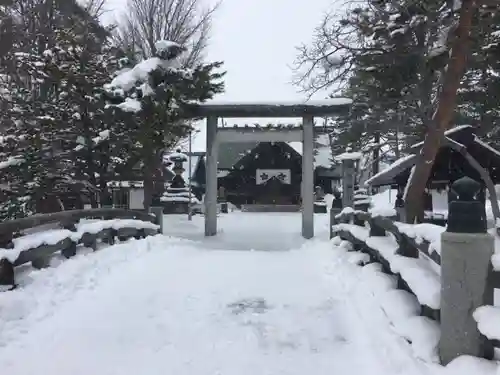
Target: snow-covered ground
173, 305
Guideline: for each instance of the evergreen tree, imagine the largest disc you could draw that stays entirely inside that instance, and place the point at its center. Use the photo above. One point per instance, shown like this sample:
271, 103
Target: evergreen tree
479, 105
156, 94
47, 87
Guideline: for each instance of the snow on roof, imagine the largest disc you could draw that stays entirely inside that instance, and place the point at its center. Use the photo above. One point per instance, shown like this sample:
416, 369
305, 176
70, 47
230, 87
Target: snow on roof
349, 156
297, 146
446, 133
393, 168
486, 146
314, 103
408, 161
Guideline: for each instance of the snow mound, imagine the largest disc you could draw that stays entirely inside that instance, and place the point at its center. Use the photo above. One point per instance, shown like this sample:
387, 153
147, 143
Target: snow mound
488, 321
402, 310
467, 365
417, 272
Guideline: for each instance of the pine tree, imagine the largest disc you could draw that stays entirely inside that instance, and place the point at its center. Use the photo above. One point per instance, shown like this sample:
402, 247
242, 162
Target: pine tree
156, 93
479, 105
39, 109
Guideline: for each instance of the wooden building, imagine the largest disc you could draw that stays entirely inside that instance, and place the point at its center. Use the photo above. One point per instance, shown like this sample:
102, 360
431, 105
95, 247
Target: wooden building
265, 173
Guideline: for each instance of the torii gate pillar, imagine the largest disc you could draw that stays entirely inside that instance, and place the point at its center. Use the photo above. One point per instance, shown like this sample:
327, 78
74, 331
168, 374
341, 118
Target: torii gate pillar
211, 177
307, 188
307, 177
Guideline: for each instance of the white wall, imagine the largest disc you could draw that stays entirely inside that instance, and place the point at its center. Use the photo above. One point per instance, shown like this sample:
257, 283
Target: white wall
439, 201
136, 199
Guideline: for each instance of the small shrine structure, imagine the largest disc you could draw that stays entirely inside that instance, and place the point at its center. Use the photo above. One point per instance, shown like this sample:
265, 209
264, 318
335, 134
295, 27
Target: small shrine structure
450, 165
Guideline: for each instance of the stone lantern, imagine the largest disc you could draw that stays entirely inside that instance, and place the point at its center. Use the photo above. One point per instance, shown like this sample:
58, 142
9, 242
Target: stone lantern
177, 199
178, 159
319, 200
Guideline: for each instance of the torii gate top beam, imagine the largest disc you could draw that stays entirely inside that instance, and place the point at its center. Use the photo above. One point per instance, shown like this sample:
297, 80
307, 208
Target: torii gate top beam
323, 108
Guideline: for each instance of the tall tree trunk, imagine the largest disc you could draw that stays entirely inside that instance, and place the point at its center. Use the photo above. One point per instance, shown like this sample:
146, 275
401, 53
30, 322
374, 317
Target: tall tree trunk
149, 181
397, 152
442, 119
376, 158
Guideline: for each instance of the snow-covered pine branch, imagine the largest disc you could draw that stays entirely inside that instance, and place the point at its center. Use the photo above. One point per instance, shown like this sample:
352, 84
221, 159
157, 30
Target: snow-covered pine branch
151, 96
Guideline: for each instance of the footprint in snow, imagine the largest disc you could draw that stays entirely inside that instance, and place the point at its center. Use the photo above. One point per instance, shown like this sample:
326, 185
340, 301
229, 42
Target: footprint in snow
249, 305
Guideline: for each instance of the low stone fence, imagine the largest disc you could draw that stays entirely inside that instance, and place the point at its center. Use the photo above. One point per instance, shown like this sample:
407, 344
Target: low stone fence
74, 228
448, 275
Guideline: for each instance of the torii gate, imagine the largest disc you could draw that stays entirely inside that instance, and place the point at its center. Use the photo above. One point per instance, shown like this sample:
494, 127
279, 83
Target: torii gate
305, 134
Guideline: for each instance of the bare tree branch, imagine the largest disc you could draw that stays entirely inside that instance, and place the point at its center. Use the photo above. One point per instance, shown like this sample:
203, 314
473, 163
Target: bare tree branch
186, 22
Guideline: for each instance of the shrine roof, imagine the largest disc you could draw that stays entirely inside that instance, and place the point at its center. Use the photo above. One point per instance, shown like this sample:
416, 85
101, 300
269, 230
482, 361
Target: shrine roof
486, 155
230, 153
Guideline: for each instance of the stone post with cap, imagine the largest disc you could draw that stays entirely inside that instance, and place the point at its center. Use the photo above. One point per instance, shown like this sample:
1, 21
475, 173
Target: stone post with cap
466, 250
335, 209
399, 206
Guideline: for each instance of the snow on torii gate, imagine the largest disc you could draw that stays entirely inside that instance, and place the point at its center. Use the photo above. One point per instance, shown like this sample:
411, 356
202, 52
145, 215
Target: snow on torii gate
212, 111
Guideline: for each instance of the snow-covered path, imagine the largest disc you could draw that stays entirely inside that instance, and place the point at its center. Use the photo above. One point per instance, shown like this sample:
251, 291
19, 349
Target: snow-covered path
170, 306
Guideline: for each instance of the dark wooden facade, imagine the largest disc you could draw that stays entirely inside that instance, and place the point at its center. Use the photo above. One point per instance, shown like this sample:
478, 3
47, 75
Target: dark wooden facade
237, 166
240, 184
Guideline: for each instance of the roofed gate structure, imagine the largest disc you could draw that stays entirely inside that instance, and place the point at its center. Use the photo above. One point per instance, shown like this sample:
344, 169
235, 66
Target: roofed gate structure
450, 165
305, 134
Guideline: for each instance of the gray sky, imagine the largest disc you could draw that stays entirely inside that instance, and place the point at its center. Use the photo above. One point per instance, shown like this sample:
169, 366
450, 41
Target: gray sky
256, 39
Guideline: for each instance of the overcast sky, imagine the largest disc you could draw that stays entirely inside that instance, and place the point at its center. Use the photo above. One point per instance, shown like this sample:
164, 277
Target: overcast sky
256, 40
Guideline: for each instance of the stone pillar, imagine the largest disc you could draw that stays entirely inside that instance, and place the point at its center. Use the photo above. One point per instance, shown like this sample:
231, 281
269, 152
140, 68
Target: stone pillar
221, 199
466, 250
399, 206
335, 209
319, 201
348, 176
211, 178
308, 177
158, 212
